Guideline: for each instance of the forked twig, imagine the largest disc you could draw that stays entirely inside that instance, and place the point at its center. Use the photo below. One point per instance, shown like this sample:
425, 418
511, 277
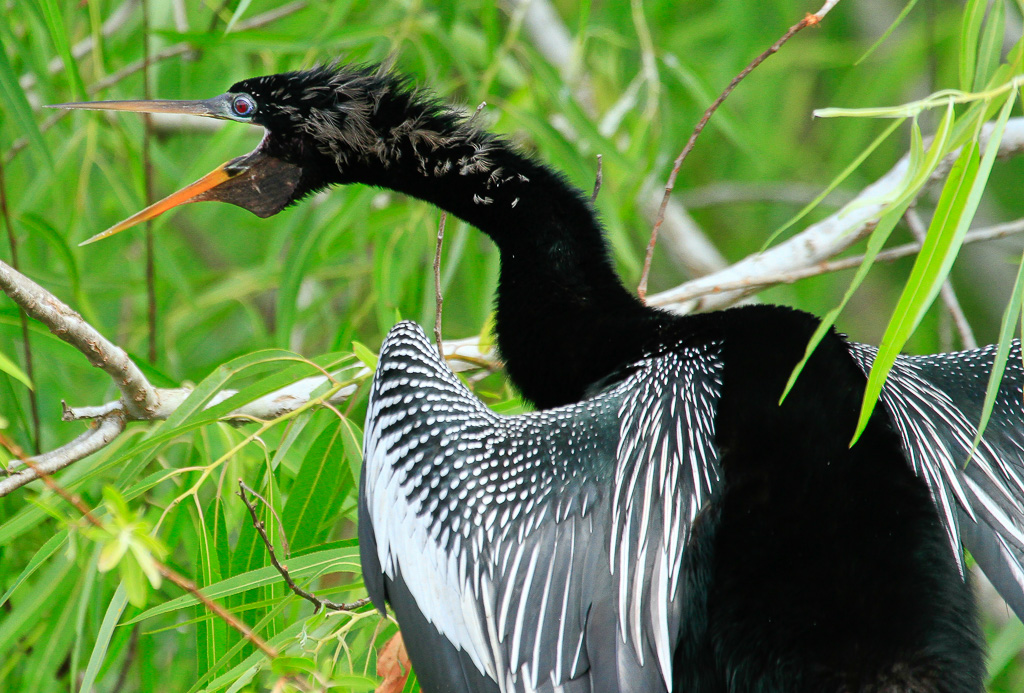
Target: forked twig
262, 529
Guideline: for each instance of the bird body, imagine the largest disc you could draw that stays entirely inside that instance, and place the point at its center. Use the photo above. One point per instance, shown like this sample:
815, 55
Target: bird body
810, 565
663, 522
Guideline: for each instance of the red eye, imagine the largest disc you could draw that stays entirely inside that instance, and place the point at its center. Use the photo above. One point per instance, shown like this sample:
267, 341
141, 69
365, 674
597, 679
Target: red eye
243, 105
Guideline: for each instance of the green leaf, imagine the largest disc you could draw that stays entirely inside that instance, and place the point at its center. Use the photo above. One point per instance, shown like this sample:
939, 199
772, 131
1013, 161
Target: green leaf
111, 554
11, 368
953, 215
284, 666
295, 270
1011, 315
134, 581
39, 558
47, 658
919, 168
990, 50
35, 605
211, 637
15, 101
237, 14
314, 495
51, 14
892, 27
352, 682
973, 15
99, 651
1005, 648
85, 606
352, 437
930, 270
368, 358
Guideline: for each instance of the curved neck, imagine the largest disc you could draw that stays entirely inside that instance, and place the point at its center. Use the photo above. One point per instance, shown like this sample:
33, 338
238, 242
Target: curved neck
564, 320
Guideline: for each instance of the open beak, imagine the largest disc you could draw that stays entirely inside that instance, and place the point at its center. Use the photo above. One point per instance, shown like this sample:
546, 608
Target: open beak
257, 181
217, 107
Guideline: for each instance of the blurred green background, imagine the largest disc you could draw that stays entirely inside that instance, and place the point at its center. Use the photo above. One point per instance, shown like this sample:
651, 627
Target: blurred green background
343, 267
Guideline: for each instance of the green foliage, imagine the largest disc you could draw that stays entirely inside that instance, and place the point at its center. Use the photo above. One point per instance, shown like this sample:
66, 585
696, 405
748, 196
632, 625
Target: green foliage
125, 543
254, 305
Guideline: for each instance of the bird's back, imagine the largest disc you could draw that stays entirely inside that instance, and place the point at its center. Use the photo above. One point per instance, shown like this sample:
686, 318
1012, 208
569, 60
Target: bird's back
817, 566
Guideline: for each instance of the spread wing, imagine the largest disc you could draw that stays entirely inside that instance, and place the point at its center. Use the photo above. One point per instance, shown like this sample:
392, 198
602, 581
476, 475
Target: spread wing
935, 403
522, 545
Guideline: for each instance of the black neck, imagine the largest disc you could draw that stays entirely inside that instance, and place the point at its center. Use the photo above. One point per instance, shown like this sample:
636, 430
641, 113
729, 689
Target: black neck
564, 320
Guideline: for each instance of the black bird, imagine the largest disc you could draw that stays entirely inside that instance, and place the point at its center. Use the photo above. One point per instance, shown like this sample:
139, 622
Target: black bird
662, 523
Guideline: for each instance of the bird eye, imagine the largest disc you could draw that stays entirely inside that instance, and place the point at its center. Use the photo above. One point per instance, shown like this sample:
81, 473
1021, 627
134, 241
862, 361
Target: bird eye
243, 105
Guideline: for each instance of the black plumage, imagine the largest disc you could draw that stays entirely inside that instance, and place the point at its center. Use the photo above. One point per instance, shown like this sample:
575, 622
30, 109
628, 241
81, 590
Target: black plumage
663, 523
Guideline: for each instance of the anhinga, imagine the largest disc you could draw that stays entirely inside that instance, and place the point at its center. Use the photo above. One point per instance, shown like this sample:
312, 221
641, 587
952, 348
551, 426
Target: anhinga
663, 523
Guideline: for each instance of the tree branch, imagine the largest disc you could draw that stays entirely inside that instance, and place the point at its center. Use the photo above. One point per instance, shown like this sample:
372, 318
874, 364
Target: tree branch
816, 244
140, 399
754, 284
96, 438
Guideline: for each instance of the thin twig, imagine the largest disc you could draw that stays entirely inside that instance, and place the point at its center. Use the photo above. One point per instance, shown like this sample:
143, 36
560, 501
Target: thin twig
597, 181
947, 292
438, 297
437, 285
179, 580
33, 403
262, 530
285, 547
72, 498
809, 20
225, 615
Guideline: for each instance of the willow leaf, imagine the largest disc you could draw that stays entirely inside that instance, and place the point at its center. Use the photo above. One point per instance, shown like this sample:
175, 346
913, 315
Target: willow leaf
957, 206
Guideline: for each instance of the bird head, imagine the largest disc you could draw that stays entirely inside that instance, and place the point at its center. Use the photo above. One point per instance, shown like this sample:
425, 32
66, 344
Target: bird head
316, 123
